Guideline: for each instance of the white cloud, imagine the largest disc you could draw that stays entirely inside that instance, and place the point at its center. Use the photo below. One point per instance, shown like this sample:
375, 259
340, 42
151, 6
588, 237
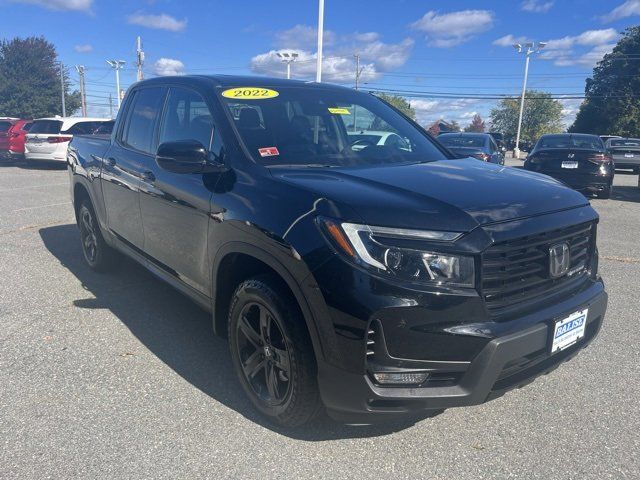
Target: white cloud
160, 22
570, 107
168, 66
86, 48
338, 64
588, 38
303, 37
334, 68
562, 51
536, 6
74, 5
627, 9
430, 110
451, 29
509, 40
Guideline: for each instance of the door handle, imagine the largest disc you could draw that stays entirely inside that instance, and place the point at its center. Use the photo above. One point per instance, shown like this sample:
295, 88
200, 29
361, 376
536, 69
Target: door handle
148, 176
111, 161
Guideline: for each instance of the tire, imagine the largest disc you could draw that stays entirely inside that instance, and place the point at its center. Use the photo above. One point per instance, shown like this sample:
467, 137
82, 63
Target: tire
272, 353
606, 193
97, 254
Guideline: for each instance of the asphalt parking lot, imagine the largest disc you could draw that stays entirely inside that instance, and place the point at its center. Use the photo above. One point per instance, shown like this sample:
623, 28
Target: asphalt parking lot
119, 376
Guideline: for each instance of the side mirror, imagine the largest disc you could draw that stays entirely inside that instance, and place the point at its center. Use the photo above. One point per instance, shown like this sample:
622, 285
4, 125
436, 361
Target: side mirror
186, 156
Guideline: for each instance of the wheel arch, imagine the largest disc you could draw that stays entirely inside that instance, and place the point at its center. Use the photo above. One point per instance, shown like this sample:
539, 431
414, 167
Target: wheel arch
237, 261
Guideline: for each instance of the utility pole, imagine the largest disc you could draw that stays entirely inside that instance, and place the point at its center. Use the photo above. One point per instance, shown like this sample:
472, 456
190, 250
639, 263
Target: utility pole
62, 89
355, 107
358, 70
83, 91
139, 59
110, 106
117, 66
531, 48
320, 34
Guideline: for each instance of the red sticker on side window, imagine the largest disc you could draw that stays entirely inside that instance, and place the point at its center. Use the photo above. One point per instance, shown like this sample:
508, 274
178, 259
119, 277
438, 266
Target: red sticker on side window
268, 151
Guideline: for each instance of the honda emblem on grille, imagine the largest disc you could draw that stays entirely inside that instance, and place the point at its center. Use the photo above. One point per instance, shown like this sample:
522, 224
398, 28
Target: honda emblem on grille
559, 259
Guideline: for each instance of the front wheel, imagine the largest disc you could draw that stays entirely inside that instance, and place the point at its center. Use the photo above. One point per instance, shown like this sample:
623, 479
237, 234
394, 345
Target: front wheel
272, 352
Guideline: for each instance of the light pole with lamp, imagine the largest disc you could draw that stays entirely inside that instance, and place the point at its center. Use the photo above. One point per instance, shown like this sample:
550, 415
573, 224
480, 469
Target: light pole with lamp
288, 58
529, 49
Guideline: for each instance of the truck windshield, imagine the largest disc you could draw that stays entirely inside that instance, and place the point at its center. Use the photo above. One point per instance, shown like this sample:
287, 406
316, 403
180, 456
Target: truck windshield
314, 126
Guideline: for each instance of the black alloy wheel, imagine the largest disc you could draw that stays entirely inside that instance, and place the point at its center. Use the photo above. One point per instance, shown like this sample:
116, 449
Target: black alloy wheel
88, 236
263, 353
98, 255
272, 352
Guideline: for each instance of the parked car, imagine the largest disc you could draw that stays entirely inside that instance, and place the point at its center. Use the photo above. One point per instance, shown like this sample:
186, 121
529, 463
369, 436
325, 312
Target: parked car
605, 138
48, 138
476, 145
375, 281
499, 139
365, 138
12, 141
625, 153
579, 160
6, 123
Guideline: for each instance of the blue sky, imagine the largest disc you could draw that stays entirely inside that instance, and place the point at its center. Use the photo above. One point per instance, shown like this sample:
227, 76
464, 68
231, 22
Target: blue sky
458, 47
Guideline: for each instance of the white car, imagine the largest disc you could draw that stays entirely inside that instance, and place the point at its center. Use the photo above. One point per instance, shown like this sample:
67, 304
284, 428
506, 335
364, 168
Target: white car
49, 138
365, 138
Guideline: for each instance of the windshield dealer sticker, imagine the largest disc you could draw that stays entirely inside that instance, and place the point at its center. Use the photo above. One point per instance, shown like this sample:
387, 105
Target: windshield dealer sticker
250, 93
339, 111
268, 152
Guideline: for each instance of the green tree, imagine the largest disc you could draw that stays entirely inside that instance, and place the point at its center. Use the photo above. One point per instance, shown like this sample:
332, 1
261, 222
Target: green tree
542, 114
612, 94
476, 125
30, 80
400, 103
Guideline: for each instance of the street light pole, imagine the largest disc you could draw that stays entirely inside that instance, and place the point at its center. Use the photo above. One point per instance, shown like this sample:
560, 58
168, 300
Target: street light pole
62, 89
288, 58
531, 48
320, 34
117, 66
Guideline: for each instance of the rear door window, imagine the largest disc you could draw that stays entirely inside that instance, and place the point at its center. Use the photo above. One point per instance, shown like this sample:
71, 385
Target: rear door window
46, 127
139, 131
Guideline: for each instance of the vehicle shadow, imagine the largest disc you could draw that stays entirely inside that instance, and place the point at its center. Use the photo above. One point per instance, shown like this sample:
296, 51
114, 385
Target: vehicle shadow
626, 193
180, 334
32, 164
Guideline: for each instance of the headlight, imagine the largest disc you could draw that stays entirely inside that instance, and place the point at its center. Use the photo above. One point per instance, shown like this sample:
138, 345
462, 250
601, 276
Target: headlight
384, 250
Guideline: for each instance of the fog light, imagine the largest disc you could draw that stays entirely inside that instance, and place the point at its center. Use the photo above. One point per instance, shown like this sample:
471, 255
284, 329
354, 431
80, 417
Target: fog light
400, 378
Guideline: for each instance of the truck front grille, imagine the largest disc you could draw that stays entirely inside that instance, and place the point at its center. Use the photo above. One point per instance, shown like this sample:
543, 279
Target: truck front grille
517, 271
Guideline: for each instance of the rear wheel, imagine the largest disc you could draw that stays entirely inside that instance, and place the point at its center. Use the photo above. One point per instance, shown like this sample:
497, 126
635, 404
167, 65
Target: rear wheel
606, 193
272, 352
98, 255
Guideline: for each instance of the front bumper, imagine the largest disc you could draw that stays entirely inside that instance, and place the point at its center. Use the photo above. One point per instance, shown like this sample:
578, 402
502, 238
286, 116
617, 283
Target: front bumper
507, 361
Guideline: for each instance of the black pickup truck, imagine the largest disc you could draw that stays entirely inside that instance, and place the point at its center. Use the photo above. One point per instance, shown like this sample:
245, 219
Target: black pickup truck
371, 280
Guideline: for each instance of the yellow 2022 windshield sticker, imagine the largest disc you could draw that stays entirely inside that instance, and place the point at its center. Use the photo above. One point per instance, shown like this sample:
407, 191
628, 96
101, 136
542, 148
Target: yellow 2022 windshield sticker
339, 111
250, 93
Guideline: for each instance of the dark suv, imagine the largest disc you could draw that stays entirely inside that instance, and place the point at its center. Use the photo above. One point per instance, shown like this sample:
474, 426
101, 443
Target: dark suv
373, 280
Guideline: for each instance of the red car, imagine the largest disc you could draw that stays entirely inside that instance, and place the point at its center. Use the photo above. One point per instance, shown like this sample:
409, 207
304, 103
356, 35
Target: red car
13, 135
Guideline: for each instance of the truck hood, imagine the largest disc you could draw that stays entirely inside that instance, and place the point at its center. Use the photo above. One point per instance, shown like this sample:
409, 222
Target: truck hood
455, 195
